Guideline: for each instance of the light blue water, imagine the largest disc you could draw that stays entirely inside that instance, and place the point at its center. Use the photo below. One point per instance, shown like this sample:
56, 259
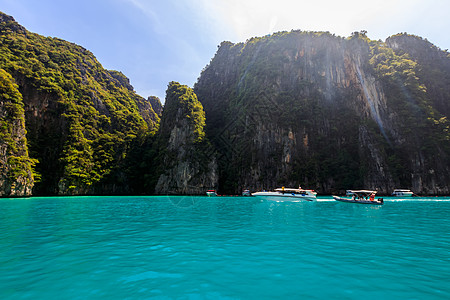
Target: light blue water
223, 248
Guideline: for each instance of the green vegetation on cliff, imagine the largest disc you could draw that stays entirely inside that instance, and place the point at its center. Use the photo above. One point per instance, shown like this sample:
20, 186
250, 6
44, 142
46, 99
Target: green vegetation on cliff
17, 175
325, 112
182, 104
419, 117
185, 157
271, 121
82, 118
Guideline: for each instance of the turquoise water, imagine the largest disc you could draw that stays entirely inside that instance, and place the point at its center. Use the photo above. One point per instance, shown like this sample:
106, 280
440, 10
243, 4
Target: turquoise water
223, 248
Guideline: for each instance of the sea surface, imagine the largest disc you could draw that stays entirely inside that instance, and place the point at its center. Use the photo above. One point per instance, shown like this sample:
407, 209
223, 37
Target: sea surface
223, 248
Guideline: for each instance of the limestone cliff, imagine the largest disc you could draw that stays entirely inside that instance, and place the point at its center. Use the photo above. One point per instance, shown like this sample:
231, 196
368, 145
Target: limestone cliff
324, 112
16, 173
80, 119
188, 163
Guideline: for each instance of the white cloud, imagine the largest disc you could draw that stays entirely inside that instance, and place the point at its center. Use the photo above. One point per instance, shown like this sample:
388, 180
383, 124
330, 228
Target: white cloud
381, 18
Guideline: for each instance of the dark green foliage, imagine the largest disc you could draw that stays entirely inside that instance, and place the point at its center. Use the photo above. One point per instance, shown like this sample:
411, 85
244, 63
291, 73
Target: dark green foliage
414, 93
14, 159
91, 115
433, 67
142, 165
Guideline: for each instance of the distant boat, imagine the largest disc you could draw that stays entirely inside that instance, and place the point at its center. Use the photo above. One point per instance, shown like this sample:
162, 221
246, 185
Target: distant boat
402, 193
246, 193
361, 197
288, 194
211, 193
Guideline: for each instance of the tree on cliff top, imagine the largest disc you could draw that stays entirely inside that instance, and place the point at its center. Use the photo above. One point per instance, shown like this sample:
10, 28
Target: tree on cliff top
182, 103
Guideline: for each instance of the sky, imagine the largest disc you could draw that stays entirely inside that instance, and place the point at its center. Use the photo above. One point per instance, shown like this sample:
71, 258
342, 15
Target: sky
154, 42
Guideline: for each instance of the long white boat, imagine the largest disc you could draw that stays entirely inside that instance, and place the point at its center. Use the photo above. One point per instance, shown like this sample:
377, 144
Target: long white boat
402, 193
361, 197
287, 194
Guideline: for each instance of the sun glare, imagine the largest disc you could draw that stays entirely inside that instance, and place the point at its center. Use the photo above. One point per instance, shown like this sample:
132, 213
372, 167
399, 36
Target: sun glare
249, 18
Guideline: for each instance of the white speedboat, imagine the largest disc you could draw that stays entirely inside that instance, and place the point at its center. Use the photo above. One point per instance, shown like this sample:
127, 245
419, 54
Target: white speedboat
402, 193
361, 197
211, 193
287, 194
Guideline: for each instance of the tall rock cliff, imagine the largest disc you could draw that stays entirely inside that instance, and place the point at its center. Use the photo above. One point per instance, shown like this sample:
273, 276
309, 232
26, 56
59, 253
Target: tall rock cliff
16, 172
187, 160
80, 119
324, 112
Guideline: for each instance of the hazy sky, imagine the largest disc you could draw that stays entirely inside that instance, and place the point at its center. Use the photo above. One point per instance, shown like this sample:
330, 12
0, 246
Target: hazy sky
154, 42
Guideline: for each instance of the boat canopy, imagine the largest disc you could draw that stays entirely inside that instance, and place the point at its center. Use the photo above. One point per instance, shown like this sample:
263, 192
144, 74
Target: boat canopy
291, 190
362, 192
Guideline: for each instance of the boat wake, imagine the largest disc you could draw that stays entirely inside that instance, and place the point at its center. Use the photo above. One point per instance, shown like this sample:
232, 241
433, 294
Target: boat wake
396, 199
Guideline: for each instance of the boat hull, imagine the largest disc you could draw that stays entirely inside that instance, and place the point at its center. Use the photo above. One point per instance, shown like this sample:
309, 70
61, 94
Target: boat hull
284, 197
374, 202
403, 194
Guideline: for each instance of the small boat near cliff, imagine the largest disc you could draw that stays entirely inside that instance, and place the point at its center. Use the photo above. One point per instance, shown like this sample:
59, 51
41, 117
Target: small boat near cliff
402, 193
246, 193
287, 194
211, 193
361, 197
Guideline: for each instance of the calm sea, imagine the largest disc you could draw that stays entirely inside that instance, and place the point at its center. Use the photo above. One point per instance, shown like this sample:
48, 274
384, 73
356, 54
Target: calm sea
223, 248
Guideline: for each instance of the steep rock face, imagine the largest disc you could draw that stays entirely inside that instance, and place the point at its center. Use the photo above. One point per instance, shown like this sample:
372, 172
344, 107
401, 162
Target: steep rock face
156, 104
320, 111
16, 174
187, 160
47, 132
